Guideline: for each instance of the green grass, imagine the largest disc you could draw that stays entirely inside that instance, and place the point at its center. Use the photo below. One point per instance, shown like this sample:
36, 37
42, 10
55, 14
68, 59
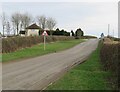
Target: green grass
38, 50
86, 76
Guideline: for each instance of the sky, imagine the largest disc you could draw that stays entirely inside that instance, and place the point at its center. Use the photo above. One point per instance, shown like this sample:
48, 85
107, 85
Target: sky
92, 17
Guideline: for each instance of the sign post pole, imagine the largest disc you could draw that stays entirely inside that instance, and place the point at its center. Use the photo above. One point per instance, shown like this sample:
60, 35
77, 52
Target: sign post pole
44, 41
44, 34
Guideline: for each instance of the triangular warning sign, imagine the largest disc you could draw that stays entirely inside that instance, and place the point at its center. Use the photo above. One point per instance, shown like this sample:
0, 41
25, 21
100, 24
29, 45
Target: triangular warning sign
44, 33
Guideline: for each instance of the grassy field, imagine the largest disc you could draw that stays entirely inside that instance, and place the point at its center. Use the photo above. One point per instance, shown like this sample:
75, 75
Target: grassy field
38, 50
86, 76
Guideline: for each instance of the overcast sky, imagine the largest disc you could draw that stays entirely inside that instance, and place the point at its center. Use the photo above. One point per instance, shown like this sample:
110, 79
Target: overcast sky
92, 17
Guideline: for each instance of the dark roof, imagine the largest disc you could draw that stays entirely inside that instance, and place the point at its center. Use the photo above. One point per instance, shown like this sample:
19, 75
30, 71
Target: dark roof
33, 26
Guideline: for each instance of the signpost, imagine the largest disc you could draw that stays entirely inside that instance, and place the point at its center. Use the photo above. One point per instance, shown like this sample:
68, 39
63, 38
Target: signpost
44, 34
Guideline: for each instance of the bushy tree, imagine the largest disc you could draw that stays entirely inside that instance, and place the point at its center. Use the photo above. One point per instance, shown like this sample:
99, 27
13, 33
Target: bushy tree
0, 34
73, 34
61, 32
57, 29
79, 33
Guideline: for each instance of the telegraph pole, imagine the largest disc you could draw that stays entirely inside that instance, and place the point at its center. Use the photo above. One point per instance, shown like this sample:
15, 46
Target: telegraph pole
113, 32
108, 29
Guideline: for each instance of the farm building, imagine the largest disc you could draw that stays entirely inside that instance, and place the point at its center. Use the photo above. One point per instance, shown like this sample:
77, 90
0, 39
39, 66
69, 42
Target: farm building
32, 30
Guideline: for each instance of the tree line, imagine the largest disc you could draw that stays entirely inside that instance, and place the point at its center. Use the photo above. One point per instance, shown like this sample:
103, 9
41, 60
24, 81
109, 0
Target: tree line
19, 21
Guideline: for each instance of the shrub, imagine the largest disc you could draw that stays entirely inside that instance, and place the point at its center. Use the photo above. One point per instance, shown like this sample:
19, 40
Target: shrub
79, 33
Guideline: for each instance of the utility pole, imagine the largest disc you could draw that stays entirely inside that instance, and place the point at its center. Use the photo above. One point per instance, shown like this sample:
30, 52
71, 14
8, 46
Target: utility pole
113, 32
108, 29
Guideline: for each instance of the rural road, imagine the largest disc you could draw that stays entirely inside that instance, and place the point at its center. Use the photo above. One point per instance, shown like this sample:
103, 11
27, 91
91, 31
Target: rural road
38, 72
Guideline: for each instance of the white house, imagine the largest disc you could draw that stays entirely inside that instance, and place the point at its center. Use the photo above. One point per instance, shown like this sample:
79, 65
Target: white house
32, 30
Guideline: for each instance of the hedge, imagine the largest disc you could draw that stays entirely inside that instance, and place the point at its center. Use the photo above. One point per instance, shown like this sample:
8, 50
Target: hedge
110, 54
14, 43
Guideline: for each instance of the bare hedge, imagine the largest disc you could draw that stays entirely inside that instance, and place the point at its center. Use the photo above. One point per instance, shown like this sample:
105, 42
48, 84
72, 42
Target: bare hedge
110, 54
14, 43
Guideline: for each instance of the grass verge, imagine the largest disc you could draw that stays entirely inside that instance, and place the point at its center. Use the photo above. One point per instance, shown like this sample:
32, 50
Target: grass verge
86, 76
38, 50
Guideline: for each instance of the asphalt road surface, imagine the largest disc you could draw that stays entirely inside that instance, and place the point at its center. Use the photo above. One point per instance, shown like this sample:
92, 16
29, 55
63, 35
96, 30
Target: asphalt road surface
36, 73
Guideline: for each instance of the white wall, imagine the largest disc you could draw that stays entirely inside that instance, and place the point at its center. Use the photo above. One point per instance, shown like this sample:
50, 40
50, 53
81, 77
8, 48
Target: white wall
32, 32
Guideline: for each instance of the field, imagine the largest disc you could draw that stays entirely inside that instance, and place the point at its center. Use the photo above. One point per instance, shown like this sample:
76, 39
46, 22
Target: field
86, 76
38, 50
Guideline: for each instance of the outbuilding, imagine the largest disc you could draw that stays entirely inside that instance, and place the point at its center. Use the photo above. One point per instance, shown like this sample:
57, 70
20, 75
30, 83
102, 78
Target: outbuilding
32, 30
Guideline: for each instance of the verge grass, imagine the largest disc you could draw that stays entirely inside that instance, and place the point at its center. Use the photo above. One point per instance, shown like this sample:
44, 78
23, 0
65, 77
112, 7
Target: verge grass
38, 50
86, 76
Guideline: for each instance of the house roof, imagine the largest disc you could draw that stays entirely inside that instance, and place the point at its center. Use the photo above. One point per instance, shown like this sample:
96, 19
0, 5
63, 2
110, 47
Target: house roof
33, 26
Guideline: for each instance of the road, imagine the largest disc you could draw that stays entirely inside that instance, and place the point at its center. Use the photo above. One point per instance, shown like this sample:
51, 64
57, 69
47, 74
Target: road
38, 72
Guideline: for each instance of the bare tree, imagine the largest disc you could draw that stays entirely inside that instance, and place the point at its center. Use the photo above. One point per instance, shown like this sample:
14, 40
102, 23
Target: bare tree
42, 21
25, 20
16, 18
3, 22
13, 28
8, 28
51, 23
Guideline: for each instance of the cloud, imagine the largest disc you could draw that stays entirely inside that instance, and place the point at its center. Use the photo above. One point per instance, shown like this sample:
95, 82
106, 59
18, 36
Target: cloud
93, 17
104, 14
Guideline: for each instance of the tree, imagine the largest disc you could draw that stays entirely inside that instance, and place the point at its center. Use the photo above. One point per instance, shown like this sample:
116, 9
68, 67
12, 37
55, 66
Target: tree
25, 20
3, 22
0, 36
72, 33
8, 29
57, 29
16, 19
42, 21
51, 23
79, 33
14, 29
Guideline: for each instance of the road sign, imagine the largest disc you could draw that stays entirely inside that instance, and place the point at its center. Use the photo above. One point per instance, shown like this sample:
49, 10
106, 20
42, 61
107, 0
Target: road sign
44, 34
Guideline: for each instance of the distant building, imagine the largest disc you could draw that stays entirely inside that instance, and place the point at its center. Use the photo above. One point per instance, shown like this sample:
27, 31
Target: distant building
32, 30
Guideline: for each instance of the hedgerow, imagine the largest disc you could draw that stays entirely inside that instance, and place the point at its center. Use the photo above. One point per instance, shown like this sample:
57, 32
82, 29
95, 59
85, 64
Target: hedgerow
14, 43
110, 54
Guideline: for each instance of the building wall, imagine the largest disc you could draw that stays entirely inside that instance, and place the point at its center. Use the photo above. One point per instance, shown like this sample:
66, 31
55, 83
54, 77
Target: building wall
22, 34
32, 32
